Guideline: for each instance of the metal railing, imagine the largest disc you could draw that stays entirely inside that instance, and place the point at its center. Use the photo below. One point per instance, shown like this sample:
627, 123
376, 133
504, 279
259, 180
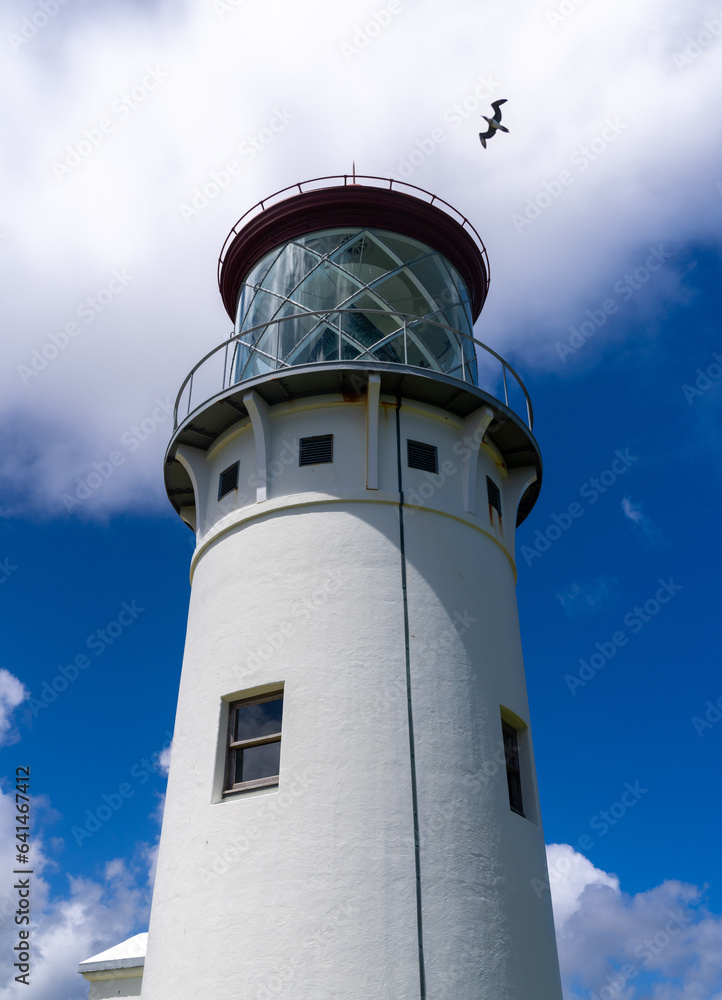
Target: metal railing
344, 180
218, 370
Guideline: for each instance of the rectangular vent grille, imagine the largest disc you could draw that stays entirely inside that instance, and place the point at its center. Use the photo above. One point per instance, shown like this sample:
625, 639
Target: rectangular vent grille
315, 450
423, 456
494, 495
228, 480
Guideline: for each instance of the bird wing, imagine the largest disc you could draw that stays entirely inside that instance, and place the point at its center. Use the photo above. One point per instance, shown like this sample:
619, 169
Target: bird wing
486, 135
496, 105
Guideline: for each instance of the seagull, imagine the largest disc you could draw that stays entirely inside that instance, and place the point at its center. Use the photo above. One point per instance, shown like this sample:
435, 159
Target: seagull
494, 123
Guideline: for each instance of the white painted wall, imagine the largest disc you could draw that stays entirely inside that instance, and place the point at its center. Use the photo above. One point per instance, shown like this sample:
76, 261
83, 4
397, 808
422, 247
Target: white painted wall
116, 989
308, 890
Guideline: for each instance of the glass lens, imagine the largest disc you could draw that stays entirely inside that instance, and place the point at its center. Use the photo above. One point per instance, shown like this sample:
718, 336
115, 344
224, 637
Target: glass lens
262, 719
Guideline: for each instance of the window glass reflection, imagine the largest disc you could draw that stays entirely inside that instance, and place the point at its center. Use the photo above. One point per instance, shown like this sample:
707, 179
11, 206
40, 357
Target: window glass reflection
320, 346
404, 294
365, 329
255, 277
261, 719
291, 267
327, 287
262, 309
365, 257
326, 242
258, 762
403, 247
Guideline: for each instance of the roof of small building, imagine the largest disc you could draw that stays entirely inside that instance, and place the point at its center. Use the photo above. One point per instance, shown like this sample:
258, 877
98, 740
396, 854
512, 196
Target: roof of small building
126, 955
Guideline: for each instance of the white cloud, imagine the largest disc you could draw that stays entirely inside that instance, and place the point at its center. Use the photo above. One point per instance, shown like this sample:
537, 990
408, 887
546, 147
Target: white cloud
634, 513
164, 759
585, 596
70, 925
119, 208
663, 943
569, 875
12, 694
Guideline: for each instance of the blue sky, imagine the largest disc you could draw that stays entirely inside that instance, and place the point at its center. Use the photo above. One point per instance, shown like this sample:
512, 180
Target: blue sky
601, 211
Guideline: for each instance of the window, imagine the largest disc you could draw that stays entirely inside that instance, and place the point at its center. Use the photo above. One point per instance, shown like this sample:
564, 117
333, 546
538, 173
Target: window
513, 775
492, 491
315, 450
228, 480
422, 456
254, 742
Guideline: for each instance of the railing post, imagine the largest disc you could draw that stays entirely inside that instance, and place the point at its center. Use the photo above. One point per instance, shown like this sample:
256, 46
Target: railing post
339, 334
225, 368
406, 351
190, 393
506, 391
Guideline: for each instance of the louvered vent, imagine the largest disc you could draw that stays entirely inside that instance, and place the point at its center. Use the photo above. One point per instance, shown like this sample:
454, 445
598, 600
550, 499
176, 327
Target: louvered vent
228, 480
315, 450
494, 495
423, 456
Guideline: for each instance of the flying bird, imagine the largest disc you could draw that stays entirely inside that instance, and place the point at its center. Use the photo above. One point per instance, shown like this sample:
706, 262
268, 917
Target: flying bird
494, 123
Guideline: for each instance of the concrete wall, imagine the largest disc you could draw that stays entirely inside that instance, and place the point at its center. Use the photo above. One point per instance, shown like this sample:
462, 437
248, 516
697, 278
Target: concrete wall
308, 890
116, 989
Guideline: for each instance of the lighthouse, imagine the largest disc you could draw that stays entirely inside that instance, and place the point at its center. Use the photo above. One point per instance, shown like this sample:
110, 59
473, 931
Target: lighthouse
352, 808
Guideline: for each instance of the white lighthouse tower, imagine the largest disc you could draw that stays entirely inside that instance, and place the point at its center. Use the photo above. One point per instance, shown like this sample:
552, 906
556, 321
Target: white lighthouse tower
352, 808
